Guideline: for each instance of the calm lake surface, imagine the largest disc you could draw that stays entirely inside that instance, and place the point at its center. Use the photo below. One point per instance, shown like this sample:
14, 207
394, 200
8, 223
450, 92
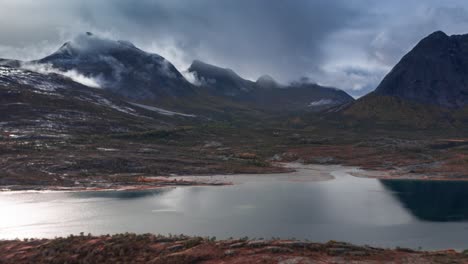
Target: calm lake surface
430, 215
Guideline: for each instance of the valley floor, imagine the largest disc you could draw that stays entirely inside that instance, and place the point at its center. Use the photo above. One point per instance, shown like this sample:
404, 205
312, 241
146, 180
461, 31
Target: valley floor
131, 159
148, 248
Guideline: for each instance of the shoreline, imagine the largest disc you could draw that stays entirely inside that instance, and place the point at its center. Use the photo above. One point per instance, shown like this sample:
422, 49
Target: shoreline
385, 174
132, 187
294, 172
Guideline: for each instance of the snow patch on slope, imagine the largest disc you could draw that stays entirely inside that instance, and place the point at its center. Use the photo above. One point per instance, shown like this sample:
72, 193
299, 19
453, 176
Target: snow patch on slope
162, 111
109, 104
10, 75
98, 100
321, 102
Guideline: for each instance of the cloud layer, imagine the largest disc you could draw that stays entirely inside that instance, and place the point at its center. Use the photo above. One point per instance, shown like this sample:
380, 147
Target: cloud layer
72, 74
347, 44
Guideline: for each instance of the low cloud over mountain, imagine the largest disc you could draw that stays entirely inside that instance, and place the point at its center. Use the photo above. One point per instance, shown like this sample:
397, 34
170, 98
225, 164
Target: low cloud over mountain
349, 45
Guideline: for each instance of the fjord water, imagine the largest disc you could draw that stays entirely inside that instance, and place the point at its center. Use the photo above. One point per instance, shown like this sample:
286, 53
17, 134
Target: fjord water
390, 213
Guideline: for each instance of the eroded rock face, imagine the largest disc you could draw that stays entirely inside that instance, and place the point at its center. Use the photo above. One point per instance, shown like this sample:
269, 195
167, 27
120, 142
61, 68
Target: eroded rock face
434, 72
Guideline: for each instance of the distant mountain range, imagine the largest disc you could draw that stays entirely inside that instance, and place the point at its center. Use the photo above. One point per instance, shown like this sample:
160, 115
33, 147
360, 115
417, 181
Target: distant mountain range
266, 93
141, 77
428, 86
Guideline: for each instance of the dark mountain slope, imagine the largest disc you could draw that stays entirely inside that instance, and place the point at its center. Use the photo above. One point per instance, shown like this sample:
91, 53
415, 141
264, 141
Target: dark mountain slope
121, 67
267, 82
301, 97
266, 94
221, 81
393, 113
428, 88
434, 72
144, 78
50, 105
140, 77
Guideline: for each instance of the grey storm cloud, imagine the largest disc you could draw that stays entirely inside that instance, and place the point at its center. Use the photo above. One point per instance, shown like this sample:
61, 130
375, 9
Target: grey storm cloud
347, 44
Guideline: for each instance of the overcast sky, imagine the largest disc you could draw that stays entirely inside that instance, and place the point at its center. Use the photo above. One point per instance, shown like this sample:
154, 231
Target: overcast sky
347, 44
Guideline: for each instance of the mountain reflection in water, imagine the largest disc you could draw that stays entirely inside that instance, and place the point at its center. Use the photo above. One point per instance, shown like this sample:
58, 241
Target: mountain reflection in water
124, 195
438, 201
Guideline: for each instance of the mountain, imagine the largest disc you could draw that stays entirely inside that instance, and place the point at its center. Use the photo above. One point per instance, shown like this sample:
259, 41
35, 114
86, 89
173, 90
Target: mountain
428, 88
121, 67
267, 82
151, 86
266, 93
221, 81
301, 96
148, 87
434, 72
